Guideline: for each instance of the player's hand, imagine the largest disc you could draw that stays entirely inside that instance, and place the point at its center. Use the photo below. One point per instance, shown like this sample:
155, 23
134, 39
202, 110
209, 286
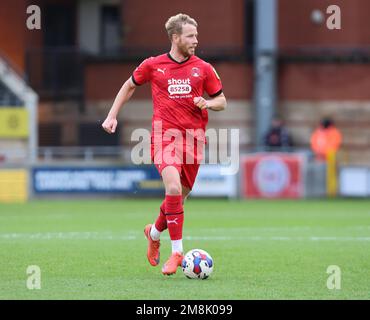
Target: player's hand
200, 102
110, 125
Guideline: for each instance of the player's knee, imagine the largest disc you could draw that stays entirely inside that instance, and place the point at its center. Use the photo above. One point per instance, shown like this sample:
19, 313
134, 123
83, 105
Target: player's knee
173, 188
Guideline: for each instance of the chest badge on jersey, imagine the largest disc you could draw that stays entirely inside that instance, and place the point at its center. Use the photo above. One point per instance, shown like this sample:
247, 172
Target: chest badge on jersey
195, 72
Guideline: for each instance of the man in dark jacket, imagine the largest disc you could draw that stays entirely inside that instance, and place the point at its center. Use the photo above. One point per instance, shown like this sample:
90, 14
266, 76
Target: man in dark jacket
278, 137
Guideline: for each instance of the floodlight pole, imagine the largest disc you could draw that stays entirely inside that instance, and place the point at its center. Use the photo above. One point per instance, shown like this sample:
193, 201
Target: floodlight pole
265, 66
31, 103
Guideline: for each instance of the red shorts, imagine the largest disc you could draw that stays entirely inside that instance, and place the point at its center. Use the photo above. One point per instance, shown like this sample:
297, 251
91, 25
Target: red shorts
186, 159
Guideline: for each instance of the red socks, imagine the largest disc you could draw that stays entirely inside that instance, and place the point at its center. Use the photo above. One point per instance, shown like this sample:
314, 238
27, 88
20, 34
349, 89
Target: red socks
174, 215
161, 222
171, 216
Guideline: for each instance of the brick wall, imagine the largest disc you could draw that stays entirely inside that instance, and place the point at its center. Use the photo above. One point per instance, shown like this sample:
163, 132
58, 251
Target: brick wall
221, 23
296, 28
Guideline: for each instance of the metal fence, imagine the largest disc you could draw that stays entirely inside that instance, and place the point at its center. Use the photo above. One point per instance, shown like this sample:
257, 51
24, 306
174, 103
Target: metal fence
84, 154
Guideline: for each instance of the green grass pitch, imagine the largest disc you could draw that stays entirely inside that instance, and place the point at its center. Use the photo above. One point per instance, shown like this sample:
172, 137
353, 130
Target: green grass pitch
95, 249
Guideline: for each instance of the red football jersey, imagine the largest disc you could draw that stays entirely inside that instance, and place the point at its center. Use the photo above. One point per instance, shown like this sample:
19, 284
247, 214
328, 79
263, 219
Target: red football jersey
174, 85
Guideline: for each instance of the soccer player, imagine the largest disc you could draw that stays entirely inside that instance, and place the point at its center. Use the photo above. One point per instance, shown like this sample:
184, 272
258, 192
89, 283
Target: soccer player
178, 80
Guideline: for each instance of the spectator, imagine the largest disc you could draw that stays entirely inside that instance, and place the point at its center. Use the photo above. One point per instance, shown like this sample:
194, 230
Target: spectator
278, 137
325, 139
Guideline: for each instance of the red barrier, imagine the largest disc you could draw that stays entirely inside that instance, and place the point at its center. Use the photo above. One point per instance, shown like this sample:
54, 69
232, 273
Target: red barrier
272, 175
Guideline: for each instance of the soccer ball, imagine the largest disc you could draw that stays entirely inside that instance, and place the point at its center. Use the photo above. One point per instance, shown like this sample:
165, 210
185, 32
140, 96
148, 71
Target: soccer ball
197, 264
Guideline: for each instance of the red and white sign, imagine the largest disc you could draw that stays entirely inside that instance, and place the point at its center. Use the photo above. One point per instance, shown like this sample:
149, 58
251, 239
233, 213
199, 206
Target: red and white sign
272, 175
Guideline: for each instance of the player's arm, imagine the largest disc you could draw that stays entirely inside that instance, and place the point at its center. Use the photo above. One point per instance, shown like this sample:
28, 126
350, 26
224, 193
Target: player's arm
124, 94
217, 103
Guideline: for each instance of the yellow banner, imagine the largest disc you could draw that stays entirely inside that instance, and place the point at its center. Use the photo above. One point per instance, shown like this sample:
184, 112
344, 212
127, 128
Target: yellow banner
13, 122
13, 185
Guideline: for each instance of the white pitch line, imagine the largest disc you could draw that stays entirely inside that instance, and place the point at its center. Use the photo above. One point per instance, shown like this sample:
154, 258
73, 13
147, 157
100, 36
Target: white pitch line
116, 236
66, 235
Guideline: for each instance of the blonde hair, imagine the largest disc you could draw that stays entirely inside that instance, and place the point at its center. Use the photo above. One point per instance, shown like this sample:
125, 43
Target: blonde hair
174, 24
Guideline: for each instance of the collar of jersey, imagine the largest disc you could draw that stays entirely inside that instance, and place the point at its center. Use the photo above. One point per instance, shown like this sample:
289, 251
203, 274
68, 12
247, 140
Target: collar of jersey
169, 56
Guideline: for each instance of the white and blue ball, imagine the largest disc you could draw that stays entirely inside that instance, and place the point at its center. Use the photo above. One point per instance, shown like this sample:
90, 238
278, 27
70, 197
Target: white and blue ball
197, 264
